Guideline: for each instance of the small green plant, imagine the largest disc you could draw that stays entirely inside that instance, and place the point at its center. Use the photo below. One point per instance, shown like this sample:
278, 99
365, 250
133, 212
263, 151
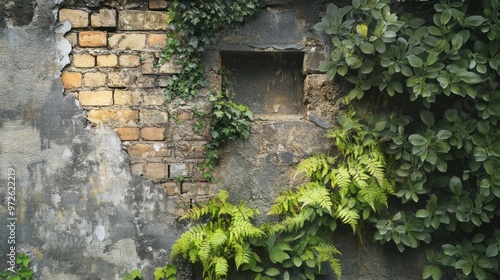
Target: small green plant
133, 275
22, 270
228, 121
168, 272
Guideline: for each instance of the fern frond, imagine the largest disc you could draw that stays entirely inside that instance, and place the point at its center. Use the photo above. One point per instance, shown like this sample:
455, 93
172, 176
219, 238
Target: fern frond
221, 266
348, 216
205, 252
284, 203
218, 239
315, 167
241, 255
315, 194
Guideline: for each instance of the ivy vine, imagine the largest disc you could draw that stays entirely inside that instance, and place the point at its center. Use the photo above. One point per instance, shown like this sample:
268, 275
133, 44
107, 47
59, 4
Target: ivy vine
194, 26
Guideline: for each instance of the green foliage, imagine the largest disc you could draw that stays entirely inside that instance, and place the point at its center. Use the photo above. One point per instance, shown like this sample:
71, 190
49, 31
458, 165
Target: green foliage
194, 26
168, 272
224, 237
133, 275
22, 270
439, 76
229, 121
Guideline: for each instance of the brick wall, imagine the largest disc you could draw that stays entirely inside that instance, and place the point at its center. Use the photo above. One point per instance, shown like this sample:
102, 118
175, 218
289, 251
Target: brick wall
116, 76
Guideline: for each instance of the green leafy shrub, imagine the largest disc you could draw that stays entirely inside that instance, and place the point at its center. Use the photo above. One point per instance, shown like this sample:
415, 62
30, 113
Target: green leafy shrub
442, 72
22, 270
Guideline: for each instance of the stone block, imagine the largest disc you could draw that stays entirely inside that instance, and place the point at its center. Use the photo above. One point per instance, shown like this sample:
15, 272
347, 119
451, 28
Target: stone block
158, 4
96, 98
142, 20
172, 188
127, 97
312, 60
92, 38
71, 80
157, 40
192, 150
123, 78
137, 169
150, 65
127, 41
128, 133
72, 38
147, 151
154, 100
153, 133
77, 18
177, 170
121, 117
84, 60
94, 79
129, 60
155, 171
104, 18
153, 117
107, 60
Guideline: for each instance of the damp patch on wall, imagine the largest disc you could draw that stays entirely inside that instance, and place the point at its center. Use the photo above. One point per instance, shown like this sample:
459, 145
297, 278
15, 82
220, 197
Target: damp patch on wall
267, 82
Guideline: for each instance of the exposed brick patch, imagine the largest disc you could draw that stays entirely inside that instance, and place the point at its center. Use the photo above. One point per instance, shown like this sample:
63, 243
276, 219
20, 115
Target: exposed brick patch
84, 60
71, 80
107, 60
120, 117
153, 133
129, 41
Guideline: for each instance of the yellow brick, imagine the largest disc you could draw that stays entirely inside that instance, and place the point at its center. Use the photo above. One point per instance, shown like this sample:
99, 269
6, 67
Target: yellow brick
107, 60
94, 79
71, 80
153, 133
153, 117
171, 188
157, 40
158, 4
121, 117
142, 20
127, 41
129, 98
78, 18
128, 133
83, 60
92, 38
129, 60
157, 100
105, 18
96, 98
155, 171
145, 151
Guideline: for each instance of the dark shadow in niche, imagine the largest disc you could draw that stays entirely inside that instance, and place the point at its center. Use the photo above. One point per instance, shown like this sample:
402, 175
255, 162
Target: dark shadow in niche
267, 82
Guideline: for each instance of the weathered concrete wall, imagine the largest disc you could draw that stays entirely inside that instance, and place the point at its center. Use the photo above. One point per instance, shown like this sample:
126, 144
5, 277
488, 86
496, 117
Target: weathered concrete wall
80, 214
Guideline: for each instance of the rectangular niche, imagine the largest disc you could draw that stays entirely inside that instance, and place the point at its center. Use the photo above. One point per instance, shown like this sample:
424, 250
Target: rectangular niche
267, 82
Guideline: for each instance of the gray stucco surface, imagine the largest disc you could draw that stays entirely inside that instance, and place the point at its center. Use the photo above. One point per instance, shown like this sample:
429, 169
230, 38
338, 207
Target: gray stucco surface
80, 214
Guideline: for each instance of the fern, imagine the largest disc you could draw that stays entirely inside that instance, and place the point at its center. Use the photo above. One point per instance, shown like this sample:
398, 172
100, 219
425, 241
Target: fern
221, 267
